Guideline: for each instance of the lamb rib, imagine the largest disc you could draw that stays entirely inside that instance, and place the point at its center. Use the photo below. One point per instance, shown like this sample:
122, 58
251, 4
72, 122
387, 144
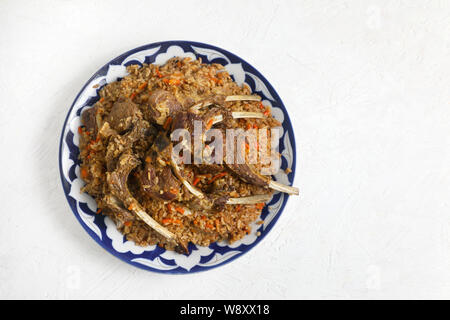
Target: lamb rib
117, 184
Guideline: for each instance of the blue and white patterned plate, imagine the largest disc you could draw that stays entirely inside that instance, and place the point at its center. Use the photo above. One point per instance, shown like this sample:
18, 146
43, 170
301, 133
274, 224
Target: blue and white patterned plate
102, 229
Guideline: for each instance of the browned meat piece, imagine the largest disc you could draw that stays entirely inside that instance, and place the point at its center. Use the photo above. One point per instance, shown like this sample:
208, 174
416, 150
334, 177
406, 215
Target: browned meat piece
117, 180
210, 168
217, 99
139, 130
122, 114
217, 111
89, 120
209, 202
158, 181
121, 143
247, 173
161, 144
162, 104
220, 202
186, 120
186, 101
182, 247
121, 215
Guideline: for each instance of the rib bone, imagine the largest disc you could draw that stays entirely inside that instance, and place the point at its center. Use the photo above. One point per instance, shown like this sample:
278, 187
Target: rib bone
250, 200
139, 211
242, 98
241, 114
283, 188
188, 186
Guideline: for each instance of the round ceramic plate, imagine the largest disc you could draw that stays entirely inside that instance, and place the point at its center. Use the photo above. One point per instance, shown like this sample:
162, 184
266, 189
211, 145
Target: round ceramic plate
102, 229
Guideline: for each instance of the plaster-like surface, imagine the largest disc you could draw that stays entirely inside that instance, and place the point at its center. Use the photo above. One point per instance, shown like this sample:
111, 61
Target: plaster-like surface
367, 88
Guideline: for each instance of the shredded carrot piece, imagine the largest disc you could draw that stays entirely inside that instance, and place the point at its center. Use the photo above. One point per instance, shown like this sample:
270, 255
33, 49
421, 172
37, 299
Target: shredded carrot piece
216, 80
142, 86
80, 129
133, 95
209, 225
167, 123
179, 64
196, 180
249, 126
179, 209
267, 112
97, 139
99, 210
101, 100
261, 205
203, 218
158, 73
131, 206
169, 206
171, 82
84, 173
209, 124
128, 223
168, 220
147, 159
175, 82
238, 208
217, 176
173, 191
261, 106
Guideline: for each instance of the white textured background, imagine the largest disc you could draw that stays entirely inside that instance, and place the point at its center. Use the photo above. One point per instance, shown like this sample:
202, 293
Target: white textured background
367, 86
